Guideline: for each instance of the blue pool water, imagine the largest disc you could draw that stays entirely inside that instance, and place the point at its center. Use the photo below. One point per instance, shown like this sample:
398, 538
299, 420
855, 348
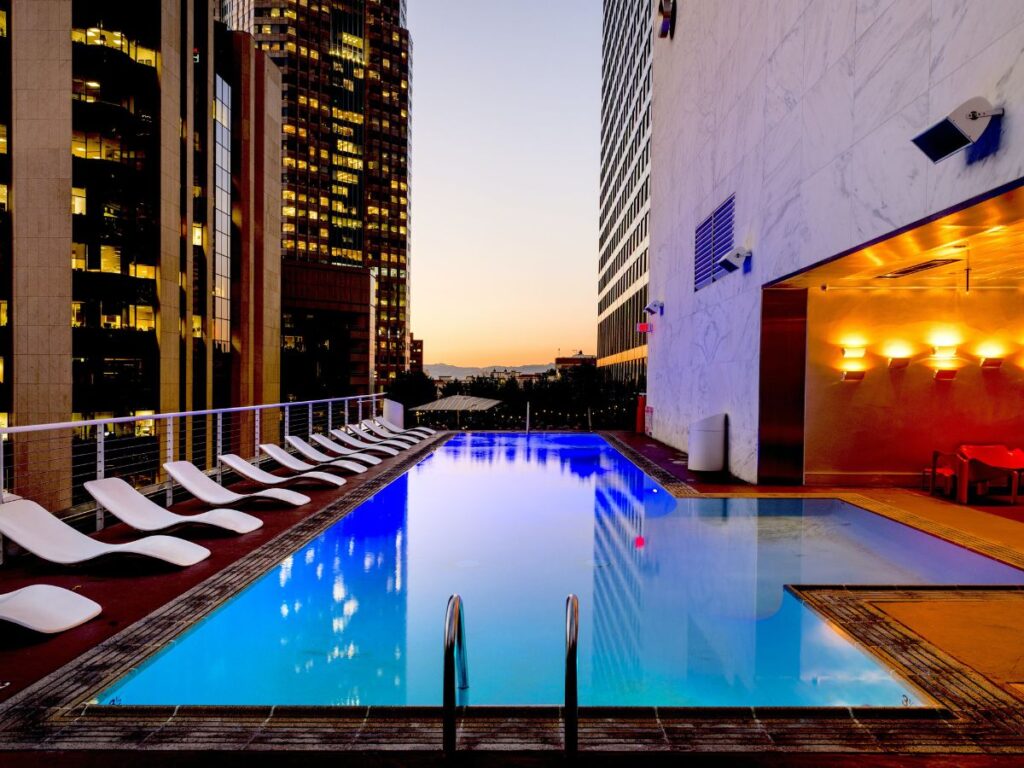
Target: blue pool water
681, 601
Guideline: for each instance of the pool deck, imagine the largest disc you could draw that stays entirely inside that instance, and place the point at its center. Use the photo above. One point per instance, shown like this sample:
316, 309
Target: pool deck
971, 666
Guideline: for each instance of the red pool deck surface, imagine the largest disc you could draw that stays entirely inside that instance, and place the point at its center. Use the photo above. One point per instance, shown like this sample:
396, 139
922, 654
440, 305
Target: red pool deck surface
131, 587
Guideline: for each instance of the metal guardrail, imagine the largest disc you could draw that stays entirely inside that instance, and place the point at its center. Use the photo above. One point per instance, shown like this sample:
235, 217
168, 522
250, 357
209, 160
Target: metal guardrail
455, 665
49, 463
572, 706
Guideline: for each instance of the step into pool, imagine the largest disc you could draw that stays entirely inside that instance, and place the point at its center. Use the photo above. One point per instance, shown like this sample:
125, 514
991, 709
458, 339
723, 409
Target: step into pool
682, 601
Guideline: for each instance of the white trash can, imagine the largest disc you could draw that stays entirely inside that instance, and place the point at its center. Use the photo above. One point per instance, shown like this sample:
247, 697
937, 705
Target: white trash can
707, 444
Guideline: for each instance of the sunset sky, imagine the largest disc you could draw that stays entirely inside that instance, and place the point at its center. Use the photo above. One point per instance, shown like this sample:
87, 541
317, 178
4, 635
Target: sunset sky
505, 154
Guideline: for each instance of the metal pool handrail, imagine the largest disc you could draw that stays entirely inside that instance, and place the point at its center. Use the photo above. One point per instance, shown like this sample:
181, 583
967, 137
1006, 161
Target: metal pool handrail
572, 709
454, 664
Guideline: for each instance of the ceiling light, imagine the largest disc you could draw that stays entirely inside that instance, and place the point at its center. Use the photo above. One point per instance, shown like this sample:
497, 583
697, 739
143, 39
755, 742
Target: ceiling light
913, 270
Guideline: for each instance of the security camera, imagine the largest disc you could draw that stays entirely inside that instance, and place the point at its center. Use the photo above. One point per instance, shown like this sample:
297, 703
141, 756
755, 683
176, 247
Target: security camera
961, 128
655, 308
733, 260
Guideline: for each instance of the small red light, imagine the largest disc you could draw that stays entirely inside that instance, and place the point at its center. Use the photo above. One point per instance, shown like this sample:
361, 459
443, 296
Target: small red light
644, 327
639, 542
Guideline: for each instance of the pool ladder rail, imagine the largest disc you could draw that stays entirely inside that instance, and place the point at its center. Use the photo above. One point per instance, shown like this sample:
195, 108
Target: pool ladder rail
456, 671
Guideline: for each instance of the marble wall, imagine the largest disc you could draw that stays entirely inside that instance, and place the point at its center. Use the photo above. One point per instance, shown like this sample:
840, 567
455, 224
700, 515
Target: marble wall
805, 111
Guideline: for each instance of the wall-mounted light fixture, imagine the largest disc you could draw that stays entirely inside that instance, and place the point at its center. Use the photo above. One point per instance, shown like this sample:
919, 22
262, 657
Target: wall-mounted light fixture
959, 130
898, 363
667, 18
655, 308
991, 363
945, 374
944, 353
851, 353
853, 375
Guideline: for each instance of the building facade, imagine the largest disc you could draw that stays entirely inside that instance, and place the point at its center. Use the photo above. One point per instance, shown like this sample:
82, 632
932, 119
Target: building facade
135, 275
878, 316
625, 187
345, 202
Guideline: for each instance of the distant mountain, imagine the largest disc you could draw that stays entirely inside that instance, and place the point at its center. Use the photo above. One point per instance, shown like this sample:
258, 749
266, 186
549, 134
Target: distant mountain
434, 370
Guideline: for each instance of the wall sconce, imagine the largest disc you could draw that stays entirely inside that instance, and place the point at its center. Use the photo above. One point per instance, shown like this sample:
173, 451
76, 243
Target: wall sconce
857, 375
991, 363
898, 363
944, 353
945, 374
851, 353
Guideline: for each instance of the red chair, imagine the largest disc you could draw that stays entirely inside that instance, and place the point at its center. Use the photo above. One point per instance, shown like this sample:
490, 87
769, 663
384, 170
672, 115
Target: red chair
985, 463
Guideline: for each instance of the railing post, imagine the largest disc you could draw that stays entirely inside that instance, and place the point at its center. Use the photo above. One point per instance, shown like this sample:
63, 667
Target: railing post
346, 411
170, 457
100, 467
220, 447
359, 403
287, 421
309, 421
256, 436
330, 415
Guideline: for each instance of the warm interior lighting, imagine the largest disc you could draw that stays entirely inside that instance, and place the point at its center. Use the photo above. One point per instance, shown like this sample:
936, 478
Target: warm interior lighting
991, 363
855, 375
944, 353
896, 363
945, 374
853, 352
991, 349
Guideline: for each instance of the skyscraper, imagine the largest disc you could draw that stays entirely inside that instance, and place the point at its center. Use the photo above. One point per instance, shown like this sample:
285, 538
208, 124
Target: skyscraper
345, 206
135, 277
625, 186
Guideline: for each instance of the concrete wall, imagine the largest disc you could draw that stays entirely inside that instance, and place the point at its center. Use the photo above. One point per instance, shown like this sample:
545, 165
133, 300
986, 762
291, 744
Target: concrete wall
805, 111
884, 428
40, 204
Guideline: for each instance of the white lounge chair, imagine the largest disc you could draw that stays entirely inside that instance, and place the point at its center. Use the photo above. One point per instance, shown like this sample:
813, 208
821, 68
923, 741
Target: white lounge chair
312, 454
132, 508
424, 431
370, 426
33, 528
295, 464
192, 479
349, 439
346, 453
364, 433
48, 609
262, 477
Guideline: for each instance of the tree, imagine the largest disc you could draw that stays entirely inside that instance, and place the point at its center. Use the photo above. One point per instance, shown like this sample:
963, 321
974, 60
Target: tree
412, 388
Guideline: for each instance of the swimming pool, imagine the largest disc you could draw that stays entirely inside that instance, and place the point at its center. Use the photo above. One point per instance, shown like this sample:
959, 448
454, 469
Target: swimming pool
682, 601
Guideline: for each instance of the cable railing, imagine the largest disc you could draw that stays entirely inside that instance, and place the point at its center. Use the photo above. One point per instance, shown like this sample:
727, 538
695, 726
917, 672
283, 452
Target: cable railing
456, 672
50, 463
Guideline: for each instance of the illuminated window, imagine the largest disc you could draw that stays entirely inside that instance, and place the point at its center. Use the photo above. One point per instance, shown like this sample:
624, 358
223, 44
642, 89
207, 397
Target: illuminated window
3, 33
3, 139
147, 271
110, 259
143, 318
197, 234
79, 252
3, 197
78, 201
77, 314
3, 313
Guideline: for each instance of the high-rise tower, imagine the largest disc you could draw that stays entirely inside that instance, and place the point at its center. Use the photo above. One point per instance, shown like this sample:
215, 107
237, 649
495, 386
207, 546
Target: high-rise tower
625, 186
345, 206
